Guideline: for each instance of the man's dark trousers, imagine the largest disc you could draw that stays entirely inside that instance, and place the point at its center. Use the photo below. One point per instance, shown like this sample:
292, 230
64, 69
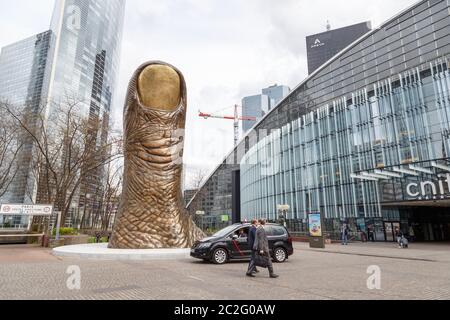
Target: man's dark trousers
251, 243
251, 265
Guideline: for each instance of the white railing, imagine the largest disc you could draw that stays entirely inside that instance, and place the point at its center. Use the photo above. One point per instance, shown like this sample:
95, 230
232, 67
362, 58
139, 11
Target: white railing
16, 227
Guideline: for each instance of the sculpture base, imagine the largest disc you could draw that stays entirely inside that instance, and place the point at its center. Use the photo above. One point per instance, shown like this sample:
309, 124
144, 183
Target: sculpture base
100, 251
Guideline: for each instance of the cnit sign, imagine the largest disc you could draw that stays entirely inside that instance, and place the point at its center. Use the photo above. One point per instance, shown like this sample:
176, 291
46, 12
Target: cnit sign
421, 190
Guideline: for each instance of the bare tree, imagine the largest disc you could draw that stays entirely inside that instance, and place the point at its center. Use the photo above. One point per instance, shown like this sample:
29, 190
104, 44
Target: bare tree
108, 198
71, 150
10, 147
197, 178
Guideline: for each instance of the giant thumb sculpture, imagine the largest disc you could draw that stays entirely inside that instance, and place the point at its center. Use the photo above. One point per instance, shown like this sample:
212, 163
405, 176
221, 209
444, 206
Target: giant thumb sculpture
151, 212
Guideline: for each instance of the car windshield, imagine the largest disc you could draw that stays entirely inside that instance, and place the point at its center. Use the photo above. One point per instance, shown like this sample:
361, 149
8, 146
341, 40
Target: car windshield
224, 232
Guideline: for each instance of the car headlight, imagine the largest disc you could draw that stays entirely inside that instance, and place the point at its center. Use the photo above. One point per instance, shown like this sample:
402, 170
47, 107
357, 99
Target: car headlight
205, 245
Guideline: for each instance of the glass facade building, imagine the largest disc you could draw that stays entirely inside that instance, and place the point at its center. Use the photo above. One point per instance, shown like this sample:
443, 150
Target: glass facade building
364, 139
275, 93
24, 79
24, 74
85, 67
254, 106
78, 58
368, 156
259, 105
88, 37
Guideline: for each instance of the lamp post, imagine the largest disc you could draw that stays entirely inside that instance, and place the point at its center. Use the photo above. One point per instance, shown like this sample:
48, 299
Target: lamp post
282, 213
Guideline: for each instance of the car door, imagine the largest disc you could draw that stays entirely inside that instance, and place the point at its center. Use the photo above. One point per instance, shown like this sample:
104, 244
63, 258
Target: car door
240, 247
270, 237
275, 235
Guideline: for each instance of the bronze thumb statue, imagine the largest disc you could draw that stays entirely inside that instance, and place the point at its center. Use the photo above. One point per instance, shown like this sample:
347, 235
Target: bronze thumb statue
151, 212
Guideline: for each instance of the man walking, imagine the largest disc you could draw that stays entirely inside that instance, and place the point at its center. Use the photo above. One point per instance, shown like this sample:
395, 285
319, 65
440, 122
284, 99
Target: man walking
251, 242
261, 246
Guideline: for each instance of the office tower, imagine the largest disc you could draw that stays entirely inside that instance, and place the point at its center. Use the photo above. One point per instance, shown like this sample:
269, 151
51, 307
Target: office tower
86, 63
24, 79
259, 105
88, 39
253, 106
78, 58
275, 93
323, 46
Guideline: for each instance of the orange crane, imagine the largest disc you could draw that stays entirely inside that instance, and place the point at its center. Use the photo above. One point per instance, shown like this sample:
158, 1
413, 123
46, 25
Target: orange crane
236, 118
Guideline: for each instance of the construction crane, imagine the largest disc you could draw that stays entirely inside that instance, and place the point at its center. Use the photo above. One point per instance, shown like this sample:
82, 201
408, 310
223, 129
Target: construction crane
236, 118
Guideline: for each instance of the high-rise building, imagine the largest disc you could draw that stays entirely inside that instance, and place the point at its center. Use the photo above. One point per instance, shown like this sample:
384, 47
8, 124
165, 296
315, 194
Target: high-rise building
87, 55
258, 105
24, 79
87, 51
78, 57
323, 46
275, 93
253, 106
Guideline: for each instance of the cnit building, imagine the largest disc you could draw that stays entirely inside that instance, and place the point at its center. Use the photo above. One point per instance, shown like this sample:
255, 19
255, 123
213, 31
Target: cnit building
364, 139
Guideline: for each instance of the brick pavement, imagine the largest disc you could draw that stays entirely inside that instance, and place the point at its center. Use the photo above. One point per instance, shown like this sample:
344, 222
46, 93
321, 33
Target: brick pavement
336, 273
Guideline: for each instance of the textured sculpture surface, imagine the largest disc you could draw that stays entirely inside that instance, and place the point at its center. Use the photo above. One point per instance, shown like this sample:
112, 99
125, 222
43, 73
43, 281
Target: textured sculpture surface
151, 212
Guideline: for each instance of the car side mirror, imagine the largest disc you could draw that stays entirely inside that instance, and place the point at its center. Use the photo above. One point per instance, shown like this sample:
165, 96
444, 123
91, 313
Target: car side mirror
235, 237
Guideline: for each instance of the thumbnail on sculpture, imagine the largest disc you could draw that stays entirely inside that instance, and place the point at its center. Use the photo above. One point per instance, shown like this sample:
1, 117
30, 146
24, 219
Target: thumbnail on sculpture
151, 212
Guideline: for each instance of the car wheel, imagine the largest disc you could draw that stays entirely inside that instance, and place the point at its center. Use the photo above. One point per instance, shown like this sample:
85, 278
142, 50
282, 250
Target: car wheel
280, 255
220, 256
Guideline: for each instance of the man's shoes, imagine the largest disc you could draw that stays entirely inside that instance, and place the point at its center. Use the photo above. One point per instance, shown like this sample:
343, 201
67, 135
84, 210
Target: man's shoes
255, 271
274, 276
251, 275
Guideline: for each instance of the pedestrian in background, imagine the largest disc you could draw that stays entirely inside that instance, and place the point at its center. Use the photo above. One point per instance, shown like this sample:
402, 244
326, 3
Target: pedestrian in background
251, 242
261, 246
345, 231
371, 233
98, 237
399, 236
411, 234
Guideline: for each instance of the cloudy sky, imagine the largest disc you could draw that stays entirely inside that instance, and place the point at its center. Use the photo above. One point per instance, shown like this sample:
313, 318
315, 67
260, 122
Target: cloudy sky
226, 49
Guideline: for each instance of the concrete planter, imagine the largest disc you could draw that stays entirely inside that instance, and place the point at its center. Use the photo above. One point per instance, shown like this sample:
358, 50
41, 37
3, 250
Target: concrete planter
53, 243
73, 240
34, 239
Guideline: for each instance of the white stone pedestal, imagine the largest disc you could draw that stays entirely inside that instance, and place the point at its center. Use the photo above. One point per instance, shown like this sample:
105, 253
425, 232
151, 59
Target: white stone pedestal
100, 251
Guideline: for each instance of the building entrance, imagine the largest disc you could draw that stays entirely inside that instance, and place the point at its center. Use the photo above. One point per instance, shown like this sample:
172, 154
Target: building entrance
389, 230
427, 223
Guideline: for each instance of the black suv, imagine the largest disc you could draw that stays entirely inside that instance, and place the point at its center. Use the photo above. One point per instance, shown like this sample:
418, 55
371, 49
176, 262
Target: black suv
231, 243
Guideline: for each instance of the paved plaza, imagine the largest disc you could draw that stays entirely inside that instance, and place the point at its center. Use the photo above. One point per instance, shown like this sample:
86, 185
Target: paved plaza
338, 272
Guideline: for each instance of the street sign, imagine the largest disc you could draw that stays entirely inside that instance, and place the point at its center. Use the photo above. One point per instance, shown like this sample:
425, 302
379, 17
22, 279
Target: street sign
26, 210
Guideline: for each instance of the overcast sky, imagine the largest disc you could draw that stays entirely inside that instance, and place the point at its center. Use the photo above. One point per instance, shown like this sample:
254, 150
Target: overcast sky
226, 49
